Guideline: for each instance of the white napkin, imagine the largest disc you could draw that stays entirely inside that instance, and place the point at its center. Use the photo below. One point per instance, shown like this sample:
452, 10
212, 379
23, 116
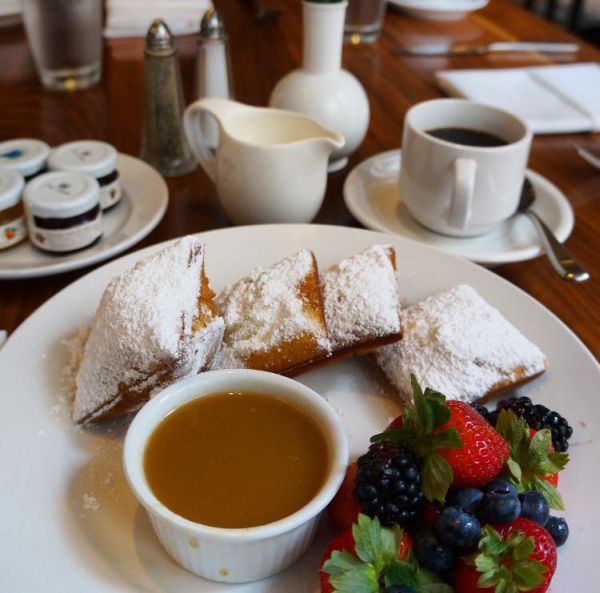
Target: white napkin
551, 99
132, 18
9, 7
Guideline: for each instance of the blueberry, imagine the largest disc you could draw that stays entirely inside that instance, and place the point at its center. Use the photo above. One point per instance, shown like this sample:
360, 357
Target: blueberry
468, 499
398, 589
501, 485
534, 507
499, 507
559, 530
456, 528
433, 554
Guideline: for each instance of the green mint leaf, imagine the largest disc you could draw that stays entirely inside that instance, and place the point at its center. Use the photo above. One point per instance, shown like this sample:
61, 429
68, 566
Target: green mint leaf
374, 544
446, 439
436, 477
402, 573
540, 446
558, 460
551, 494
513, 428
340, 561
367, 538
363, 580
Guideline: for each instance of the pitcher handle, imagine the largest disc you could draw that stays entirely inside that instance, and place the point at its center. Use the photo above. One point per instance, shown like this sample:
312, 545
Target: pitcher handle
192, 123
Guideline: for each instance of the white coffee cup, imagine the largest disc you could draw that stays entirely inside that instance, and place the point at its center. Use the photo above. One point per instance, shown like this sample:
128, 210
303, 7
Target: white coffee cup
458, 189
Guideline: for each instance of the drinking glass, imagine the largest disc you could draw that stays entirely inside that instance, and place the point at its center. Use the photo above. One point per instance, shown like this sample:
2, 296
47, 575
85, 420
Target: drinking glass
65, 37
364, 19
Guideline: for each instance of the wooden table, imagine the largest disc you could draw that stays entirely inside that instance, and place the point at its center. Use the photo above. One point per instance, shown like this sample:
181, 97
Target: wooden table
261, 54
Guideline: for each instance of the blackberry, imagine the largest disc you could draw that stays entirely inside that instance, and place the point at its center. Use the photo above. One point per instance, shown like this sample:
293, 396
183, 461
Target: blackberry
537, 417
388, 483
483, 411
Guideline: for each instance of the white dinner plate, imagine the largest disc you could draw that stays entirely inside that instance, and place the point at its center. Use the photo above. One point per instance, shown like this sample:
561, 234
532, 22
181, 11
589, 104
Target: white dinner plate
371, 194
70, 523
144, 202
439, 10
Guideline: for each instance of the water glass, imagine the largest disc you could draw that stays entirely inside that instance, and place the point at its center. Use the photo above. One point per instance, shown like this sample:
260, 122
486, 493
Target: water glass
65, 37
364, 19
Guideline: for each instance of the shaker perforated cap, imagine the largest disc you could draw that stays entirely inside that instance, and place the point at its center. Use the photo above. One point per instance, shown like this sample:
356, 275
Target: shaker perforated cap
25, 155
86, 156
61, 194
11, 188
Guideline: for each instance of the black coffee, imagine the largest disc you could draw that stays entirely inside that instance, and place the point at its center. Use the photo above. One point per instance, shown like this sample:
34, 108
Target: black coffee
467, 137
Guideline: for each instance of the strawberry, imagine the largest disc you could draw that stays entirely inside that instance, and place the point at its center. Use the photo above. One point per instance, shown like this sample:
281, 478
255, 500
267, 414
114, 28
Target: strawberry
343, 510
369, 558
483, 452
517, 556
533, 462
457, 446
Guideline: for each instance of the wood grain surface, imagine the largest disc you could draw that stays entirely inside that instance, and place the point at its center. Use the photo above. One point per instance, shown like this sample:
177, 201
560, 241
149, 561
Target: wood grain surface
261, 54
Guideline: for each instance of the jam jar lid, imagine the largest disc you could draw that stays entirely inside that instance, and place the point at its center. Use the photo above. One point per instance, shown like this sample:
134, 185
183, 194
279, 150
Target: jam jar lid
87, 156
26, 155
11, 188
61, 194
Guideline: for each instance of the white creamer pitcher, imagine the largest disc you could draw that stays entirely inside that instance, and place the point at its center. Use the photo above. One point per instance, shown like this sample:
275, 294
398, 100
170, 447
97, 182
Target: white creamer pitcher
270, 165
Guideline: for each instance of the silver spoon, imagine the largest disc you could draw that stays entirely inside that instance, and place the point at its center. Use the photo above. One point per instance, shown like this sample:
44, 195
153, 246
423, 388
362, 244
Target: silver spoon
561, 258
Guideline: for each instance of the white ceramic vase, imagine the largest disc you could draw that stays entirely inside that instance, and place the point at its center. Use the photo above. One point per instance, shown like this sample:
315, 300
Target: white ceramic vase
321, 89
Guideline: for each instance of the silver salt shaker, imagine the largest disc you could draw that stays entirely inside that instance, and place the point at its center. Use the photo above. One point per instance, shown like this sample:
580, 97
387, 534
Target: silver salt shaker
164, 145
213, 68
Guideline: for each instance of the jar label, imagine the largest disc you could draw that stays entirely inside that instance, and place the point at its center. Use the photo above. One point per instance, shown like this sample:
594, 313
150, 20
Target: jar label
66, 239
110, 194
13, 232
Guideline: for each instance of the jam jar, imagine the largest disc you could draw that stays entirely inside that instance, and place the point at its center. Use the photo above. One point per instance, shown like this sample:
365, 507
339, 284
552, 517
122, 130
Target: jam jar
63, 211
12, 220
25, 155
95, 158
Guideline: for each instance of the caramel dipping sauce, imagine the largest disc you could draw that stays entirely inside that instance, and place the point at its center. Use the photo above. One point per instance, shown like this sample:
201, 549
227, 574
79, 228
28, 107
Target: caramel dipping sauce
236, 459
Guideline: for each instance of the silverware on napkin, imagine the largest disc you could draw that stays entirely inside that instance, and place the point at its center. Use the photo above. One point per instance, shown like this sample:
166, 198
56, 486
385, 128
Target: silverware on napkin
477, 50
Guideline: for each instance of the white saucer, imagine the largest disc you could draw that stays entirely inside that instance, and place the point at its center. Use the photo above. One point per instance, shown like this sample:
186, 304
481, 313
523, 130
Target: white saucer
371, 194
144, 202
439, 10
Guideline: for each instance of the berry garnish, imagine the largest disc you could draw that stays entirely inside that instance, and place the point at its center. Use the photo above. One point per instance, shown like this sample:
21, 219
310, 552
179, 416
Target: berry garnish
559, 530
501, 485
498, 506
533, 463
457, 528
455, 445
432, 553
388, 483
375, 559
534, 507
518, 556
467, 499
537, 417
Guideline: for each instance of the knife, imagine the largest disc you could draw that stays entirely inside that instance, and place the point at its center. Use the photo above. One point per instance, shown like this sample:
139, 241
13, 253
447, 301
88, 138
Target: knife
478, 50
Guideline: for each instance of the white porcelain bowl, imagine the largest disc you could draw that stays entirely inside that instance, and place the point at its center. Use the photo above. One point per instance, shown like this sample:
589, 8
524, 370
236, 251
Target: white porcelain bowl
235, 555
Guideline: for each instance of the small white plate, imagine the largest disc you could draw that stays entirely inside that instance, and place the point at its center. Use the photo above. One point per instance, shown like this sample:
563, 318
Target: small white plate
144, 202
439, 10
371, 194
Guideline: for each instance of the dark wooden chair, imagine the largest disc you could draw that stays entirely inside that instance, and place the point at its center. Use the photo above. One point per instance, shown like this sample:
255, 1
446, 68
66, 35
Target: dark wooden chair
550, 7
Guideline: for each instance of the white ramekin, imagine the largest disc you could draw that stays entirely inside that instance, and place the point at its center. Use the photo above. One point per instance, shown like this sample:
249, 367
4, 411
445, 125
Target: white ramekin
235, 555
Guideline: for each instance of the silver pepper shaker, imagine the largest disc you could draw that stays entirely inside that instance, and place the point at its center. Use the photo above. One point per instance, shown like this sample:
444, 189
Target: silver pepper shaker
164, 145
213, 68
